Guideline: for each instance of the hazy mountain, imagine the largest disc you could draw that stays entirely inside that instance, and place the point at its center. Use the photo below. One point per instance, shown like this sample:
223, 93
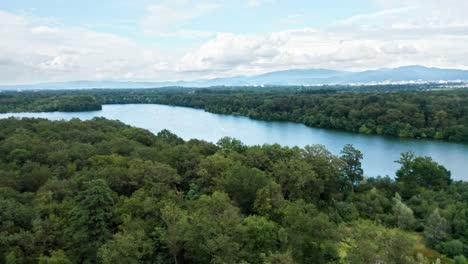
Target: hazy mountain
287, 77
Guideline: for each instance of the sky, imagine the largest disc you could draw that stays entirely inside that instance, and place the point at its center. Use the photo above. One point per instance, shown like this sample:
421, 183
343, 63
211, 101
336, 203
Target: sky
142, 40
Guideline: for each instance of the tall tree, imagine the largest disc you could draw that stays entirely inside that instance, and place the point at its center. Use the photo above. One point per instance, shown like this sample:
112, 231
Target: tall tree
174, 235
353, 170
404, 217
436, 228
416, 172
89, 221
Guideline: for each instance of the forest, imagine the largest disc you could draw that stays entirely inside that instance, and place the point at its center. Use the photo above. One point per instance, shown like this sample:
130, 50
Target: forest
100, 191
386, 110
47, 102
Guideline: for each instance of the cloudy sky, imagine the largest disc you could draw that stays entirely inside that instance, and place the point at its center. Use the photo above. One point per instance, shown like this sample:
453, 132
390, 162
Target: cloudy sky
62, 40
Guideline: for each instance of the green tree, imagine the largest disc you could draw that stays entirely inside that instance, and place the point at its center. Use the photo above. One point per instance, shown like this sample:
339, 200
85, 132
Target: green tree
416, 172
56, 257
436, 228
212, 238
130, 245
258, 237
90, 219
298, 180
353, 170
269, 200
242, 184
169, 138
404, 216
310, 234
231, 144
371, 243
452, 248
174, 234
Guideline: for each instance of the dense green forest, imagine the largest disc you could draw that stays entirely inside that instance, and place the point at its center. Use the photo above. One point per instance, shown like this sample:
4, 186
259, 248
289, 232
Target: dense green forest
47, 102
394, 111
100, 191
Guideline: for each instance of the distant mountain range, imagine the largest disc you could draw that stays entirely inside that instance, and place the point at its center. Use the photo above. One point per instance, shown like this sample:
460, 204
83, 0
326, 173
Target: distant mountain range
287, 77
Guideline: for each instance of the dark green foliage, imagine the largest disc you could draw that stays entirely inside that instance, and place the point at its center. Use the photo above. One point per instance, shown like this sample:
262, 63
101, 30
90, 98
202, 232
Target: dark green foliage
353, 170
102, 192
416, 172
242, 184
89, 222
310, 234
47, 102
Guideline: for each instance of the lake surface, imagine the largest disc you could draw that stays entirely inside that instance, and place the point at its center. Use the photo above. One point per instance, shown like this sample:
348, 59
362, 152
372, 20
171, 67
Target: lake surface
379, 152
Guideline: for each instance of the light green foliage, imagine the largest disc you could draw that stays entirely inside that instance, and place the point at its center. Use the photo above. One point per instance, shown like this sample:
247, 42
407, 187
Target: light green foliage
56, 257
129, 245
370, 243
372, 204
259, 237
231, 144
269, 200
404, 216
174, 235
210, 170
436, 228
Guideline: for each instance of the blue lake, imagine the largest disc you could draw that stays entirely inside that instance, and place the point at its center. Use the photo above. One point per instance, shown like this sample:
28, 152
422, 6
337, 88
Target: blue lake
379, 152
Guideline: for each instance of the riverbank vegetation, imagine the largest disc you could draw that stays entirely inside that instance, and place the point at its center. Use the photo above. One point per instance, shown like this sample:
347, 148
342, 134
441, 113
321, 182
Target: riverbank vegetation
100, 191
413, 114
47, 102
394, 111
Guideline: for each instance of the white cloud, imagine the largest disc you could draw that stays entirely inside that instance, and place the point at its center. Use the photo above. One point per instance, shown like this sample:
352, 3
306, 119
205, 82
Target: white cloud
431, 33
426, 32
230, 54
37, 52
171, 18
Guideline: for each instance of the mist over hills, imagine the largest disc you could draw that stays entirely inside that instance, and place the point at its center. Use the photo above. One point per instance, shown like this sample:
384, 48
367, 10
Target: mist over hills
285, 77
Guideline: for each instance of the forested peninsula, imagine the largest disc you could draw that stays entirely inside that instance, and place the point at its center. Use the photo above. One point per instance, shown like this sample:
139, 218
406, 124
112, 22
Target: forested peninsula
400, 111
100, 191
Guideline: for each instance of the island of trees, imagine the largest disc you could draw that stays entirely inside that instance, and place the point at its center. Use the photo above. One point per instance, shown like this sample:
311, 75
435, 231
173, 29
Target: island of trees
100, 191
400, 111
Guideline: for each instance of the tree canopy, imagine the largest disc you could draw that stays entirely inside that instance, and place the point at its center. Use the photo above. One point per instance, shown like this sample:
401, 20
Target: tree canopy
100, 191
